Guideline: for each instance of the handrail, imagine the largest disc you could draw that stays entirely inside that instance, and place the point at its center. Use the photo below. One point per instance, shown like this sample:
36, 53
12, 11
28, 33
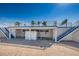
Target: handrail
71, 29
66, 33
7, 34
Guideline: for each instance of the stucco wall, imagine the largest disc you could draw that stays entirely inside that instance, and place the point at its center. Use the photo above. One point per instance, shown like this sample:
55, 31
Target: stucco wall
75, 35
1, 35
20, 33
13, 31
68, 37
61, 30
48, 34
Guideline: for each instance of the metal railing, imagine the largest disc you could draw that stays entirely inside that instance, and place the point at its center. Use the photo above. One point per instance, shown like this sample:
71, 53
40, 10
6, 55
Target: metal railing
71, 29
5, 32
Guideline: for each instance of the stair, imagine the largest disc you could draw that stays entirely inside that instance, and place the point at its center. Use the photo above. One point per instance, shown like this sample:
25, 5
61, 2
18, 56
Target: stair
67, 32
6, 32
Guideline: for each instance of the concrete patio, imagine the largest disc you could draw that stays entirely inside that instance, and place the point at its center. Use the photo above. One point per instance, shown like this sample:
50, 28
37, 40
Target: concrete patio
32, 43
57, 49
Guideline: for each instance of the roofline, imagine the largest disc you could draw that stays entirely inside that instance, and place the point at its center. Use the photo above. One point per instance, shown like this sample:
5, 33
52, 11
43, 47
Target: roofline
32, 27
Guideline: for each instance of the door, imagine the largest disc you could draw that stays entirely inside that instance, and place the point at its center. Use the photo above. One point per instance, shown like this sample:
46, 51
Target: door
33, 35
27, 35
30, 35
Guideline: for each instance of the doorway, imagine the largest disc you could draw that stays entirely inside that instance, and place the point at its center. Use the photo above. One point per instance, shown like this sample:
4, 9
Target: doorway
30, 35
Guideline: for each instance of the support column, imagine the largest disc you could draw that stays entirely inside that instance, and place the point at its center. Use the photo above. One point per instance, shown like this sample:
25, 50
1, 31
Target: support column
55, 34
9, 35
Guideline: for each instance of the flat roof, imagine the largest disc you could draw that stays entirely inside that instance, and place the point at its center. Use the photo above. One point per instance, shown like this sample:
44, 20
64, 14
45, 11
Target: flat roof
32, 27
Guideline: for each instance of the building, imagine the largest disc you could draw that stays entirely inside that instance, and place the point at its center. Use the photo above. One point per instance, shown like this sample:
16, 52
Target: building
53, 33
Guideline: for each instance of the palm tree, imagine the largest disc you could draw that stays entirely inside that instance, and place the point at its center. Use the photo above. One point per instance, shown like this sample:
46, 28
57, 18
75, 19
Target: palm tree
33, 23
64, 22
38, 23
44, 23
17, 23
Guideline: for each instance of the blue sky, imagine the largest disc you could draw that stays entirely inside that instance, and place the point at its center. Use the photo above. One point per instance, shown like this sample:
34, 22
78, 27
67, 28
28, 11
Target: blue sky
41, 11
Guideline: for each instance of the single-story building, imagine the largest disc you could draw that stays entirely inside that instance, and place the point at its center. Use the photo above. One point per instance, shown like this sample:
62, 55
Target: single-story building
52, 33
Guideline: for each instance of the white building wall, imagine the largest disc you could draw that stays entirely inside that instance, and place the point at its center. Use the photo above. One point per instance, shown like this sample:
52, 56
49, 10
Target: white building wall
61, 30
13, 31
67, 38
75, 35
2, 35
48, 34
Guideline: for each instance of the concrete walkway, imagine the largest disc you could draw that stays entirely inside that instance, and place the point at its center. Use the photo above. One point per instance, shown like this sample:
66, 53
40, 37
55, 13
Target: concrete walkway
36, 43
